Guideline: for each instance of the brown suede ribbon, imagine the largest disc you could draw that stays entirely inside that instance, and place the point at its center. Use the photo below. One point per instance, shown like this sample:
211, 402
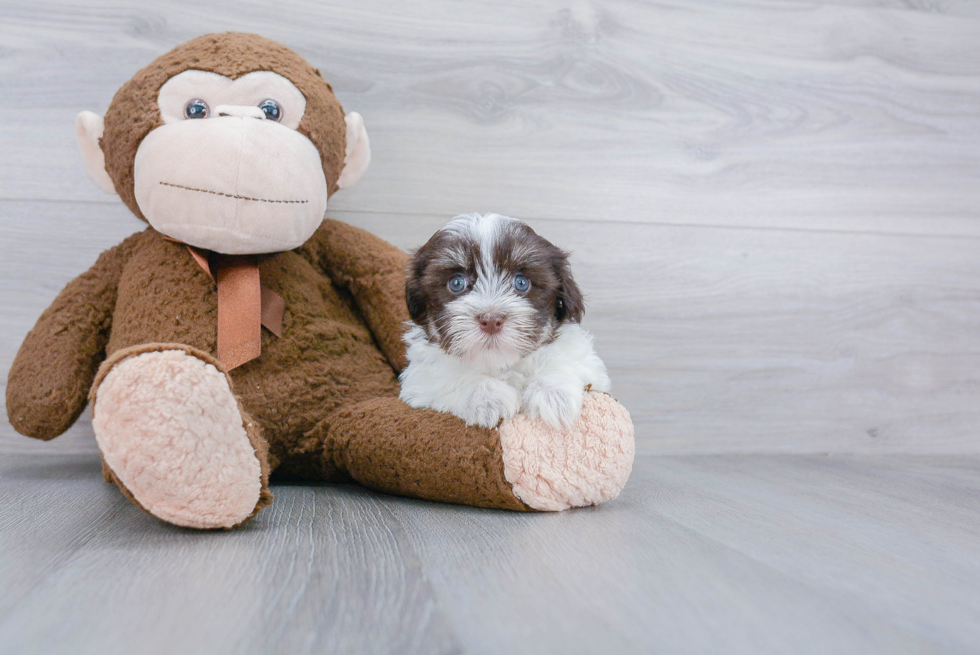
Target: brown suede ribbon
244, 305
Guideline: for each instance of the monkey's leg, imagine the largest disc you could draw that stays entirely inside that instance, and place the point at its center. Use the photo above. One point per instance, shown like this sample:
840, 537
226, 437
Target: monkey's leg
175, 438
524, 464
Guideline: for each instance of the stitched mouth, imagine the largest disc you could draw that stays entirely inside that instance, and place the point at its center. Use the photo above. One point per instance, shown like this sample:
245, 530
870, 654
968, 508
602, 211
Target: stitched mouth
236, 197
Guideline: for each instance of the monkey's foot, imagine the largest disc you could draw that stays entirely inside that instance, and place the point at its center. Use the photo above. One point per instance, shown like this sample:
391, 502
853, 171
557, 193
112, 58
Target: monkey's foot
176, 440
553, 469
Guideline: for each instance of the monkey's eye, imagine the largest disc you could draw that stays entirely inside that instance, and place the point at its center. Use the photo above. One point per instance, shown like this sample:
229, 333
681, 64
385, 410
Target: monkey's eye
521, 283
271, 109
196, 108
458, 283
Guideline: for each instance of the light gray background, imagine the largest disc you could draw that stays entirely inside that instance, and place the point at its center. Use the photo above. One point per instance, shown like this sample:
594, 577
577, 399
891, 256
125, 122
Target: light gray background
774, 208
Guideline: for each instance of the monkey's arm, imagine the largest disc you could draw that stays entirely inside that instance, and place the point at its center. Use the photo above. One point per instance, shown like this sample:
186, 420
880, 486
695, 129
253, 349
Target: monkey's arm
373, 271
48, 384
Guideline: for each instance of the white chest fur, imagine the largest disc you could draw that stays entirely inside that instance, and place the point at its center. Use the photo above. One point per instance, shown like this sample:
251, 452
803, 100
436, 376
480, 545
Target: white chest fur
549, 382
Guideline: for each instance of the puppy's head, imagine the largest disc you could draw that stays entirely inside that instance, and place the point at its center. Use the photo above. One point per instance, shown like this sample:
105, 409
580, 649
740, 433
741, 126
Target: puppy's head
488, 289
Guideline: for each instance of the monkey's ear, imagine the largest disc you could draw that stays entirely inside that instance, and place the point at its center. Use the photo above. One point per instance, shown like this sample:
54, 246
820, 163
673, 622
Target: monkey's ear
358, 151
88, 131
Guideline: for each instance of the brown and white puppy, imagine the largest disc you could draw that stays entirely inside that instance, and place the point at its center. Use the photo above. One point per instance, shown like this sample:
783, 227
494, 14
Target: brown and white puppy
495, 326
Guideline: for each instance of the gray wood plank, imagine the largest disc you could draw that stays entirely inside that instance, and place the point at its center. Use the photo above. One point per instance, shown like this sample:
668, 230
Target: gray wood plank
700, 554
717, 339
898, 536
324, 570
630, 577
720, 340
857, 117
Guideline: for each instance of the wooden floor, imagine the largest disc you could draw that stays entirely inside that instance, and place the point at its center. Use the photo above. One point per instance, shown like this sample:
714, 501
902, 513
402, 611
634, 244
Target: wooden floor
701, 553
774, 209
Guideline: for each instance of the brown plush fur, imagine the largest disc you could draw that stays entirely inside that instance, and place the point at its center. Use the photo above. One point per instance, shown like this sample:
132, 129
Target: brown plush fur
323, 396
321, 400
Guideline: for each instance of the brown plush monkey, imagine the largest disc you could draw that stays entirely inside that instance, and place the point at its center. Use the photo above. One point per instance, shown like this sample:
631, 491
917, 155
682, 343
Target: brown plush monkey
241, 333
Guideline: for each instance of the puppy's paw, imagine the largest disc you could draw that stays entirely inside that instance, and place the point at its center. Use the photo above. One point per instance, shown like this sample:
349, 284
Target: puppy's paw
557, 400
490, 402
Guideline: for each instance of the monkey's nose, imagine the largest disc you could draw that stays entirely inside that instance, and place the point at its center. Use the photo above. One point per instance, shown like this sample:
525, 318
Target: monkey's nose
239, 111
491, 323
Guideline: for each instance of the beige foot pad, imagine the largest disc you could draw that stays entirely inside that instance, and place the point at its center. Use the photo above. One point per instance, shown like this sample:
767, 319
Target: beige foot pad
552, 470
170, 429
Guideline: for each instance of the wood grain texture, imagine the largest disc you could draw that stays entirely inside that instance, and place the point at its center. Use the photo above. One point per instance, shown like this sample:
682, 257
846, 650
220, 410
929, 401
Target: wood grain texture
846, 116
773, 209
327, 572
701, 554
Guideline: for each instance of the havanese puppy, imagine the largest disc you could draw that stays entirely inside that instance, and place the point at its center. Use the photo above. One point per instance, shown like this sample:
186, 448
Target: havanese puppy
495, 326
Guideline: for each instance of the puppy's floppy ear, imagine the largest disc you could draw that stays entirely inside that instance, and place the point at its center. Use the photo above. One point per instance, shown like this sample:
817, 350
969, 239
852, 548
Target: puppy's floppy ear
569, 305
414, 293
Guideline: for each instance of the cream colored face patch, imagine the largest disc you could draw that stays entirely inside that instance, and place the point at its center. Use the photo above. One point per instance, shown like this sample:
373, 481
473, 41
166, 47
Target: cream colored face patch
224, 174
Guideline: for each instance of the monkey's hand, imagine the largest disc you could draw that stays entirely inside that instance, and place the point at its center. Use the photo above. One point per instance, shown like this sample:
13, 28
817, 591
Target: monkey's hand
48, 384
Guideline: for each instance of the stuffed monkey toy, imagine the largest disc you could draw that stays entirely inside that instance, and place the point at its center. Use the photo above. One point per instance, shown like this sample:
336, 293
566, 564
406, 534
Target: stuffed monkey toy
241, 333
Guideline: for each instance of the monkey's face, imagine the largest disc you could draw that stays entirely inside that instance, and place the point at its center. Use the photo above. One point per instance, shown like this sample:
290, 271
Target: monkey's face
229, 142
227, 170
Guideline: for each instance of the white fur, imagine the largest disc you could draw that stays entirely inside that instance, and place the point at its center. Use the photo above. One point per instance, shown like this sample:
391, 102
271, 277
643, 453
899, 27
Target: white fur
549, 382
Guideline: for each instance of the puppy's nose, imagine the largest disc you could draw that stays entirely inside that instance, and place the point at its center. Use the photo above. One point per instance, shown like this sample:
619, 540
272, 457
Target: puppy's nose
491, 323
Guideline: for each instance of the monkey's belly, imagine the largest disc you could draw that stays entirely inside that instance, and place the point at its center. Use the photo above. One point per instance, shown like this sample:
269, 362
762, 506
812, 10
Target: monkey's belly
304, 376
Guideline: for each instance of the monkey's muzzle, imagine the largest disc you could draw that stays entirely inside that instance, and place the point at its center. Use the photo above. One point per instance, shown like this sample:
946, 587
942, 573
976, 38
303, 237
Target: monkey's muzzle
234, 185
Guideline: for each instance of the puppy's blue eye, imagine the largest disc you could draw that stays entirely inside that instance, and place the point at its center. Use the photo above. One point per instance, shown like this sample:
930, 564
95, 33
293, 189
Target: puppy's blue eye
196, 108
271, 109
457, 284
521, 284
